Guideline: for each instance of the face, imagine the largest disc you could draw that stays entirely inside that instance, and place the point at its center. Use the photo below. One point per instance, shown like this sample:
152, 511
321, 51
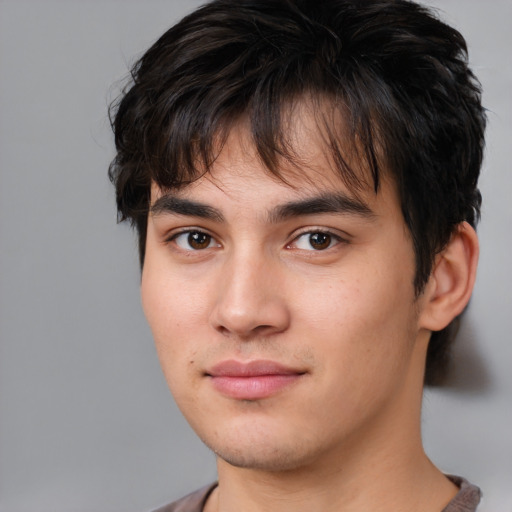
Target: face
284, 317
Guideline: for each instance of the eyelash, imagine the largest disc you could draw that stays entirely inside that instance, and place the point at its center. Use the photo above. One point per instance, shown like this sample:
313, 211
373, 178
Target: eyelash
190, 232
331, 240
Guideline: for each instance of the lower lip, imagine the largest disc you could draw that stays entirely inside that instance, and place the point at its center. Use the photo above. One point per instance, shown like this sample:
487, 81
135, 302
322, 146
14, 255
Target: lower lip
254, 387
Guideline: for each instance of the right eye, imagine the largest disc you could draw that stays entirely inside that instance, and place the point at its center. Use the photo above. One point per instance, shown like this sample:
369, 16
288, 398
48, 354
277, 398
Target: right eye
194, 240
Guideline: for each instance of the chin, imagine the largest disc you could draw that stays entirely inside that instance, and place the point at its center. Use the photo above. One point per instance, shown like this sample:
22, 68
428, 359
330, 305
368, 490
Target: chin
277, 460
264, 452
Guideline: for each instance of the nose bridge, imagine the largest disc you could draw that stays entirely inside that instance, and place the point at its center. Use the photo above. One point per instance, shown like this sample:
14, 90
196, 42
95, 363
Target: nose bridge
251, 299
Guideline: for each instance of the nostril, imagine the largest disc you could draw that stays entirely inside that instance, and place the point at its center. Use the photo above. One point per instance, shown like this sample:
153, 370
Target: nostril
223, 330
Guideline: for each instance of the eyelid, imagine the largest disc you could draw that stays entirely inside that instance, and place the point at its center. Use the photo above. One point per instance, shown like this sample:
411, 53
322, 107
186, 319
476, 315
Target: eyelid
340, 237
338, 233
174, 234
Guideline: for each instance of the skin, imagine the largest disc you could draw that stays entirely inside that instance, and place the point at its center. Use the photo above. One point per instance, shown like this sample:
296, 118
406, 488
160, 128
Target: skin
342, 314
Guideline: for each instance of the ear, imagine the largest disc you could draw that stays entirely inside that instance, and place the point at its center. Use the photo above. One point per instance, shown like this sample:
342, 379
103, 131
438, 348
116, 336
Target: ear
450, 285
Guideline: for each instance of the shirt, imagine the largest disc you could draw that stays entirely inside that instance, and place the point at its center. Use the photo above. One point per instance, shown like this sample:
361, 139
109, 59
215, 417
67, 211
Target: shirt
466, 500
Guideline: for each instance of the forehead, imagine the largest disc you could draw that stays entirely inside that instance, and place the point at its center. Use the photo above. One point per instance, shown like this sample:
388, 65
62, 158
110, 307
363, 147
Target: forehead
239, 183
311, 150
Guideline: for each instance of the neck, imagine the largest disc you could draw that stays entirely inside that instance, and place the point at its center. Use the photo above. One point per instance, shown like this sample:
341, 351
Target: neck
354, 482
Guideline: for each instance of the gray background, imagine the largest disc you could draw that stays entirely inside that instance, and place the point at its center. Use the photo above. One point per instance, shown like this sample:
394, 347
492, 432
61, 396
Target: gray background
86, 421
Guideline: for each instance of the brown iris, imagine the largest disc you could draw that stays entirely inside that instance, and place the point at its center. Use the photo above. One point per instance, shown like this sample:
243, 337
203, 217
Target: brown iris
320, 241
199, 240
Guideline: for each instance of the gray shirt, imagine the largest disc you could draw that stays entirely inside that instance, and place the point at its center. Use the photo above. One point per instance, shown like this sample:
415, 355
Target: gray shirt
466, 500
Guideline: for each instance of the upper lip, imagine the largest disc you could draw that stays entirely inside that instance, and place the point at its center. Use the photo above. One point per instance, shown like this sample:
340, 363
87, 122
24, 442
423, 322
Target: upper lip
233, 368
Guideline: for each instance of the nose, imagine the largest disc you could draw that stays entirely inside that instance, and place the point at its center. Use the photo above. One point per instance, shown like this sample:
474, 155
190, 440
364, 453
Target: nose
251, 299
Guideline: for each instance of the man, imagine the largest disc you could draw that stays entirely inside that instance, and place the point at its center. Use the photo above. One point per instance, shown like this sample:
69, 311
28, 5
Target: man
303, 179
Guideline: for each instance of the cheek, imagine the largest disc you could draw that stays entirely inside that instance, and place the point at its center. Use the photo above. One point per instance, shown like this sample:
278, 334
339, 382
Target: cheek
172, 304
363, 320
356, 301
171, 328
171, 321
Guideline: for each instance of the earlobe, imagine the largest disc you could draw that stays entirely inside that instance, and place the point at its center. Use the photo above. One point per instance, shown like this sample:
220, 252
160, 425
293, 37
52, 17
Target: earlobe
451, 283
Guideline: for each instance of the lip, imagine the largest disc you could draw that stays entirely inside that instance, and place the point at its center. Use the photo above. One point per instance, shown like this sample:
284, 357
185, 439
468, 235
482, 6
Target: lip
252, 380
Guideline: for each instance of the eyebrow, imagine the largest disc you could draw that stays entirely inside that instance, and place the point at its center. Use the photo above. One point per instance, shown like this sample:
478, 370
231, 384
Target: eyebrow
338, 202
180, 206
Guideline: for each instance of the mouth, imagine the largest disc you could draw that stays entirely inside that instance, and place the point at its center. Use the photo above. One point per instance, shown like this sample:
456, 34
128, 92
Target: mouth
253, 380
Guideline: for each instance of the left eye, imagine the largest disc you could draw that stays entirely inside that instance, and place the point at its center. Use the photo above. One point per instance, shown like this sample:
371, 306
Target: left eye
194, 240
316, 241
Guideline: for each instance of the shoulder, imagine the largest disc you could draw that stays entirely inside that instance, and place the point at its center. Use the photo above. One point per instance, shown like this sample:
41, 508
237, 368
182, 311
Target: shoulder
193, 502
467, 499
